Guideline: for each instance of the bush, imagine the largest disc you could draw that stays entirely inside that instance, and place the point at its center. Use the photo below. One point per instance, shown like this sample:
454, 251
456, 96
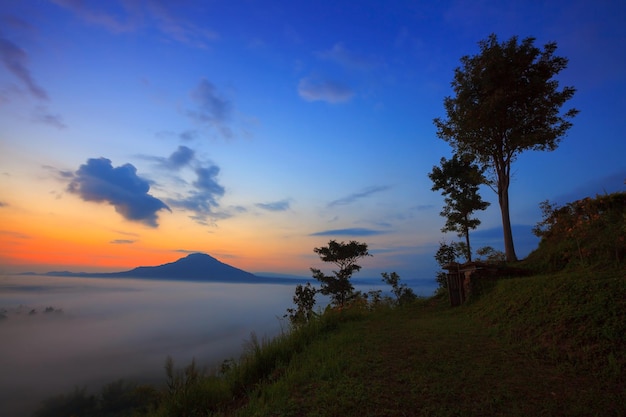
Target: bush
585, 232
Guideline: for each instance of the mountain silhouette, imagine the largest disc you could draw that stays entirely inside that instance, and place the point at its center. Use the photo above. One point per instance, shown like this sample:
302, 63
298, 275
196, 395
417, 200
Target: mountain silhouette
194, 267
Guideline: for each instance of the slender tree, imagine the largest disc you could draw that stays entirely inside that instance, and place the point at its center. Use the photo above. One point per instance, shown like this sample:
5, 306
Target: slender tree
506, 102
459, 179
345, 256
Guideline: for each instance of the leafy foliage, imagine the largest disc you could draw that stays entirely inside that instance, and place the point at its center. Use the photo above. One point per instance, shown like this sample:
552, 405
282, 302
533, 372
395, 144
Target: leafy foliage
343, 255
459, 180
304, 299
590, 231
506, 102
447, 254
402, 292
489, 254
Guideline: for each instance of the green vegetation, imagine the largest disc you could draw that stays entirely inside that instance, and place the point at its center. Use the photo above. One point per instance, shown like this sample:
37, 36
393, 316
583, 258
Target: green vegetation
548, 344
584, 233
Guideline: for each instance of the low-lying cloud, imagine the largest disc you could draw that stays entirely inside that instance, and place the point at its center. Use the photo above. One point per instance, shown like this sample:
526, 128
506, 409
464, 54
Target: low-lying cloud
100, 182
90, 332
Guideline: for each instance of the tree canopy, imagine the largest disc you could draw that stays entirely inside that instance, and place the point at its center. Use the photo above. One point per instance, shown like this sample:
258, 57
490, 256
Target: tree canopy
459, 180
506, 102
345, 256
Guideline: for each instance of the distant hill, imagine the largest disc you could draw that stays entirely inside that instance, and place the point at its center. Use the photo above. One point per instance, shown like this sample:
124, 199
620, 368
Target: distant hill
193, 267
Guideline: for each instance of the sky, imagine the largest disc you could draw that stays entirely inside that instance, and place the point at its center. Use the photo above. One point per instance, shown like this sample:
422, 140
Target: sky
134, 132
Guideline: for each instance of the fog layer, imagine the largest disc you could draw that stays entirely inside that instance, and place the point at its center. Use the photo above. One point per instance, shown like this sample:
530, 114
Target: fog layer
60, 333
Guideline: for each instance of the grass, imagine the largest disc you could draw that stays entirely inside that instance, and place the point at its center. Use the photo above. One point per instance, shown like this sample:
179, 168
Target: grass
434, 361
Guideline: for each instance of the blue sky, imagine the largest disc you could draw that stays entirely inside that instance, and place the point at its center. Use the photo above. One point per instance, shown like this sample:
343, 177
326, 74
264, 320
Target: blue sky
133, 132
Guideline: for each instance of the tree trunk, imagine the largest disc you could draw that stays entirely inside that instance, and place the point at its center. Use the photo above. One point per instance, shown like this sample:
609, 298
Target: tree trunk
503, 199
468, 255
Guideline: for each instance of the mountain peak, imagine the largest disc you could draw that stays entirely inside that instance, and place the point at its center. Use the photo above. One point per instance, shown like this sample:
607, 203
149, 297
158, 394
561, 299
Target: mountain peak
195, 266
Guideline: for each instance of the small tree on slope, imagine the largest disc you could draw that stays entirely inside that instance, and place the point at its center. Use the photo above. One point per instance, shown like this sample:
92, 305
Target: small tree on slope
344, 256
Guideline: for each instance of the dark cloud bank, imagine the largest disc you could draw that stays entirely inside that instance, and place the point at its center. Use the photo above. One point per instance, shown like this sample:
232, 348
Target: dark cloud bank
100, 182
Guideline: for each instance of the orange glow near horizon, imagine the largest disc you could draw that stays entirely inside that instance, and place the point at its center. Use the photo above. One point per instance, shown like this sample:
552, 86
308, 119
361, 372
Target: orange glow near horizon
93, 237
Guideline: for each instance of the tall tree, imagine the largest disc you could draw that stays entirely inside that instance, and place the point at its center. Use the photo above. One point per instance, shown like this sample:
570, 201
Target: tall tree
506, 102
345, 256
459, 179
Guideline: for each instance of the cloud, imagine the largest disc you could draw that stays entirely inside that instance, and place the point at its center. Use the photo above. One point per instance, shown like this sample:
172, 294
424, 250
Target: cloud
423, 207
281, 205
135, 14
3, 204
60, 174
356, 196
15, 60
43, 116
204, 198
180, 157
122, 242
15, 235
213, 109
339, 54
355, 231
180, 30
316, 89
98, 17
99, 181
188, 135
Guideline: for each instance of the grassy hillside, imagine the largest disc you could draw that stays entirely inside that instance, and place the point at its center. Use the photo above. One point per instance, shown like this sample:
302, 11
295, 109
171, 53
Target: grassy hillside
532, 346
552, 344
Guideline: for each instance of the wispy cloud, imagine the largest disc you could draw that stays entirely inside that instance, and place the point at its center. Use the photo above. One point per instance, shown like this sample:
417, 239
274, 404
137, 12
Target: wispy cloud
42, 115
202, 200
3, 204
100, 182
103, 18
14, 235
355, 231
281, 205
322, 89
341, 55
134, 15
122, 242
180, 30
213, 109
15, 60
357, 196
423, 207
188, 135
